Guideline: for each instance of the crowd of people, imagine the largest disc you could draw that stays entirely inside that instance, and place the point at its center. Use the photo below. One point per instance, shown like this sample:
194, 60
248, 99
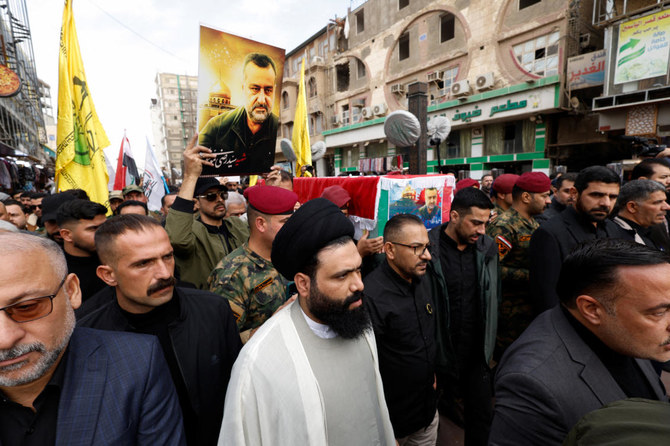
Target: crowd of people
241, 316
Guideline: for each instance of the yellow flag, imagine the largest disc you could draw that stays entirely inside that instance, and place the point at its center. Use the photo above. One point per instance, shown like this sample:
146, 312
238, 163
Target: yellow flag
80, 162
300, 139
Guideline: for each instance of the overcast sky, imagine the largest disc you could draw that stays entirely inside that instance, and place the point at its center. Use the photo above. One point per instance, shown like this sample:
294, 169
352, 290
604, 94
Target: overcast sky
124, 43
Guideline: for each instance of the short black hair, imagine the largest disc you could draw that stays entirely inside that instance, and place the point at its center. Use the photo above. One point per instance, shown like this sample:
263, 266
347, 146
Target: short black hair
260, 60
78, 193
106, 234
39, 195
394, 227
163, 198
469, 197
78, 209
645, 168
285, 176
591, 268
595, 174
127, 203
12, 202
569, 176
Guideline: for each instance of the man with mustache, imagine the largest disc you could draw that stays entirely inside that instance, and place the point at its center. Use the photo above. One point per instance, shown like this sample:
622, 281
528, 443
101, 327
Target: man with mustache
641, 205
401, 310
309, 375
249, 131
196, 329
61, 385
592, 349
594, 193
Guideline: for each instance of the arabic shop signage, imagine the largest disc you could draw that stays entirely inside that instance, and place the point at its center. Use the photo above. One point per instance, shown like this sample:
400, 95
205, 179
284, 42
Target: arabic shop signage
642, 52
532, 101
587, 70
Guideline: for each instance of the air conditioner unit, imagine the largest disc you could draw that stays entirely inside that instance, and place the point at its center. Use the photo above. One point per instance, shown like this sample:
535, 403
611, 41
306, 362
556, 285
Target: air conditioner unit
435, 76
366, 112
335, 120
359, 103
584, 40
317, 60
380, 109
485, 81
397, 88
460, 88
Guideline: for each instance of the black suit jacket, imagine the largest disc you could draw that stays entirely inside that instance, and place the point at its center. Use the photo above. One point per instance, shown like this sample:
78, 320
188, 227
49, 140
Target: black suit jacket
547, 380
550, 245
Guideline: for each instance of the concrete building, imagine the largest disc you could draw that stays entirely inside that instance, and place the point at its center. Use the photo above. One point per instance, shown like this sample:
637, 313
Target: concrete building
636, 96
175, 111
21, 119
494, 68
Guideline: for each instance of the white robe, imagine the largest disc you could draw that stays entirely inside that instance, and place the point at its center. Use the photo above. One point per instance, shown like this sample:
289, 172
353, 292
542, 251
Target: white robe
273, 397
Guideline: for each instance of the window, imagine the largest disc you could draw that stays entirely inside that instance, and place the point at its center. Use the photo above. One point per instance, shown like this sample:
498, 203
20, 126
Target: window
539, 56
345, 114
403, 4
284, 100
311, 87
449, 77
526, 3
447, 23
342, 73
360, 21
403, 47
360, 68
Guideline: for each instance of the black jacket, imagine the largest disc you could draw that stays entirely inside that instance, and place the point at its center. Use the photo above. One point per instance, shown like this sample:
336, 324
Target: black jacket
206, 343
404, 325
550, 245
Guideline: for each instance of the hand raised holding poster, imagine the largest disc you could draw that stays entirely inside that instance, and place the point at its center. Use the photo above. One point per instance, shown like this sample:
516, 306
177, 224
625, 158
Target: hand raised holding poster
242, 138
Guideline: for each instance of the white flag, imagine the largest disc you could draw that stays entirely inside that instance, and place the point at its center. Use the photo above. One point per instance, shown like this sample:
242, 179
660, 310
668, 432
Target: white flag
111, 172
154, 184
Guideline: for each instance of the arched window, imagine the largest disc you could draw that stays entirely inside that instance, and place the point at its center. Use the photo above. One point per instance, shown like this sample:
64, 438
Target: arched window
311, 87
284, 100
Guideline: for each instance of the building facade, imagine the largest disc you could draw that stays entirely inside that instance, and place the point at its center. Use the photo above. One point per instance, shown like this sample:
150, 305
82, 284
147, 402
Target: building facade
22, 128
174, 117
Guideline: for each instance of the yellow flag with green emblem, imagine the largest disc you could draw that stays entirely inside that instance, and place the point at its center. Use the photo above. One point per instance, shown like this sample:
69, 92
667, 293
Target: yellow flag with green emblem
300, 137
80, 162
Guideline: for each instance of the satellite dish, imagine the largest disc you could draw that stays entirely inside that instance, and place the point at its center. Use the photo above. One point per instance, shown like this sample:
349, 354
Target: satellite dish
402, 128
438, 129
287, 149
318, 150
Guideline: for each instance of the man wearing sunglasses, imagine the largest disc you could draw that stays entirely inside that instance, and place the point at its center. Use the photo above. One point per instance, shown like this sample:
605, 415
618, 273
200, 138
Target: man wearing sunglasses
201, 242
61, 385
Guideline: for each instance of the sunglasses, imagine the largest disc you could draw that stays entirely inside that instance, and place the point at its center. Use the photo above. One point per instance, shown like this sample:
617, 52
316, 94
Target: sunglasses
32, 309
212, 196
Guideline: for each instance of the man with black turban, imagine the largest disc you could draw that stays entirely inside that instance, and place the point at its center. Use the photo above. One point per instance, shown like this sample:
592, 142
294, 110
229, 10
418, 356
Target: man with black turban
310, 374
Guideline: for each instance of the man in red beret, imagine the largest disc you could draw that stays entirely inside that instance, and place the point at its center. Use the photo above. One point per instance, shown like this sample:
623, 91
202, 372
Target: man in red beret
512, 232
501, 193
246, 276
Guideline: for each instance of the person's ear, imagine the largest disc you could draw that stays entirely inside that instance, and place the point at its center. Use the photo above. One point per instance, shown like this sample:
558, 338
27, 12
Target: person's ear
591, 309
66, 234
106, 274
302, 283
73, 290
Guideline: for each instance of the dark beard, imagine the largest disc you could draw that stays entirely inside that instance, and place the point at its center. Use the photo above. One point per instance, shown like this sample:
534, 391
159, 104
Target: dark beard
349, 324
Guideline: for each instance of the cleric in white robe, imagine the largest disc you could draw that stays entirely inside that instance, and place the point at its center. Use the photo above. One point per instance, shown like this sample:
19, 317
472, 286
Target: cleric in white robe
309, 375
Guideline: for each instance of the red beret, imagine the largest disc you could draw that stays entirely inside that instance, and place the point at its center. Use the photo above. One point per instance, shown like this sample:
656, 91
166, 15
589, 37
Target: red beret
336, 194
504, 183
533, 182
271, 200
467, 182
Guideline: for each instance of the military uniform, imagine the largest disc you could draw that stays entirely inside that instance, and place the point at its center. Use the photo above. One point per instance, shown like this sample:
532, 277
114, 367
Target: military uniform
512, 233
252, 285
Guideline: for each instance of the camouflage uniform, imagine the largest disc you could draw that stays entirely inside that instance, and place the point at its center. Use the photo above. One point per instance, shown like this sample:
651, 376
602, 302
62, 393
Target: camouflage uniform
512, 233
252, 286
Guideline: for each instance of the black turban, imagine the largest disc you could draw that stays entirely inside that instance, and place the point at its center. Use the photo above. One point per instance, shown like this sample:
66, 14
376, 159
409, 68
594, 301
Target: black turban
314, 225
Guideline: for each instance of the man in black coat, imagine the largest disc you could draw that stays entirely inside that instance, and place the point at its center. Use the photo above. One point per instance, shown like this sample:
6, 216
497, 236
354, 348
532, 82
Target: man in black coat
595, 193
196, 329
